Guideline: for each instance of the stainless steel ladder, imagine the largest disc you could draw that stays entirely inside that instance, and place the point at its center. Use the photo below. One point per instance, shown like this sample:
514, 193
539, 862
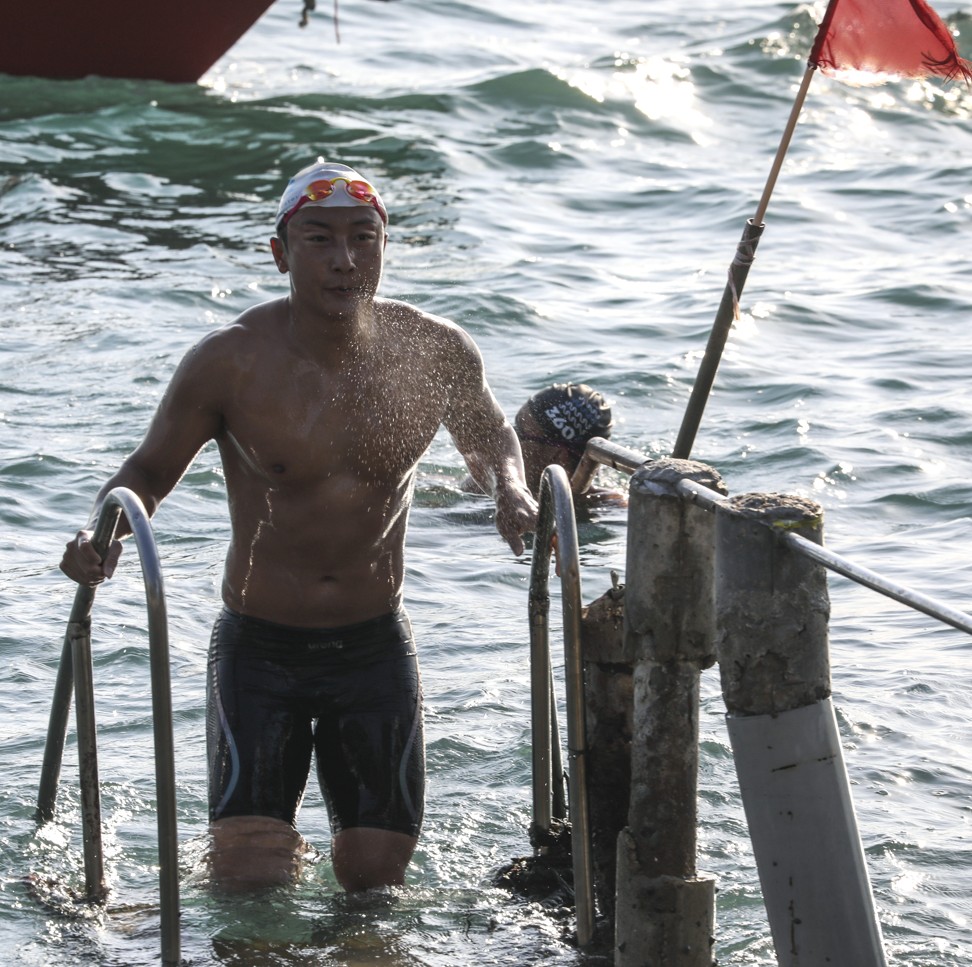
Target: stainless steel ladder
556, 519
75, 674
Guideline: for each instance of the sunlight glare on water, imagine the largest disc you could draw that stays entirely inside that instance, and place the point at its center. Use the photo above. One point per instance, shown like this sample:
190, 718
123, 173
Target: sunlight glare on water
659, 88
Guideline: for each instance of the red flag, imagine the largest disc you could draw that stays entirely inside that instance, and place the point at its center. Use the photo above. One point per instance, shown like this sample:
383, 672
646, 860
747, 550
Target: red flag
902, 37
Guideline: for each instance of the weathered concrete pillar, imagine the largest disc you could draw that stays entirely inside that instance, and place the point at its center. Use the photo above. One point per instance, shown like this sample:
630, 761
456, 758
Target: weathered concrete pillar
665, 911
608, 700
772, 611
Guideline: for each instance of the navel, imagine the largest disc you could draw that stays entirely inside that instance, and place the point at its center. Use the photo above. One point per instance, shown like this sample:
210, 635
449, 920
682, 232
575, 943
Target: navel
278, 468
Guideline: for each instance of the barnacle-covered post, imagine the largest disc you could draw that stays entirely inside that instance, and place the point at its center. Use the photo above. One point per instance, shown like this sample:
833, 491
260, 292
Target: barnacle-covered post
772, 611
665, 911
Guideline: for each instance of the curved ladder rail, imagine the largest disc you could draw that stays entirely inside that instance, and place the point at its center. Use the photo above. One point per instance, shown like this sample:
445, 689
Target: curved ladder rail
75, 672
556, 516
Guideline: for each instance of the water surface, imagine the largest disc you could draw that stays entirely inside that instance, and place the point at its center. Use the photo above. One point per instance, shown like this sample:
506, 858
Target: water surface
568, 182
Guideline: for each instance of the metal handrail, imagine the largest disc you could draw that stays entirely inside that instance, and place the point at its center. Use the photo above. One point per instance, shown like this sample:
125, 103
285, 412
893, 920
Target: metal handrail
75, 670
871, 579
600, 451
556, 516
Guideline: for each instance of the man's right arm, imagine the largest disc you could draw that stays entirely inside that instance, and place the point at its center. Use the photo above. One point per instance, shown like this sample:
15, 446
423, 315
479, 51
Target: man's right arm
188, 416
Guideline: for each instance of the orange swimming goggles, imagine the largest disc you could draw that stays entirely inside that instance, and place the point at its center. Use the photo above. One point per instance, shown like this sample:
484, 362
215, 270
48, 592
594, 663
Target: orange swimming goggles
323, 188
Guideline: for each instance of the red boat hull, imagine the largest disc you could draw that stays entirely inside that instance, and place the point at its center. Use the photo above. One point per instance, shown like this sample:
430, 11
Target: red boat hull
170, 40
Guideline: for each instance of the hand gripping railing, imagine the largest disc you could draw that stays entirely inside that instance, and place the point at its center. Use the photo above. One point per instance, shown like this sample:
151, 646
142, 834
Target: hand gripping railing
75, 671
556, 516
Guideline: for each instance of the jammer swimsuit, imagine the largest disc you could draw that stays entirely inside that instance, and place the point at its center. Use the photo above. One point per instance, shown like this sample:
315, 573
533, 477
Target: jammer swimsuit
351, 695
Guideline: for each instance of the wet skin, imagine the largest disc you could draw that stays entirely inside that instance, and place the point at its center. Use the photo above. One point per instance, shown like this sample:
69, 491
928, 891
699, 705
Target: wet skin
321, 404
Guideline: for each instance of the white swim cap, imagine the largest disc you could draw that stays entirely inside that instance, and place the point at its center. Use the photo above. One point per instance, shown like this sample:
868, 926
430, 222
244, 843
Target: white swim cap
327, 184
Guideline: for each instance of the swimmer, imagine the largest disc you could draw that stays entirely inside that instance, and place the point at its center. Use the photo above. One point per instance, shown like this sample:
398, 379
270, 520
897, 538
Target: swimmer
554, 426
321, 403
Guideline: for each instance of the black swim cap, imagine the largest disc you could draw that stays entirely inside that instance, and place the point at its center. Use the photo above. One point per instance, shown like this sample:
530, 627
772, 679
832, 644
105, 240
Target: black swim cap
570, 414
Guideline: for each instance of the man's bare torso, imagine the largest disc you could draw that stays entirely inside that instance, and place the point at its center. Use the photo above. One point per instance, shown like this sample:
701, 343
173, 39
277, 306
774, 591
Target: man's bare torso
319, 460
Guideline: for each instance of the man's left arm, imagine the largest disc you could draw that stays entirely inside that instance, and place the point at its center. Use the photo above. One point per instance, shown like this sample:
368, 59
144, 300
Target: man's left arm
486, 440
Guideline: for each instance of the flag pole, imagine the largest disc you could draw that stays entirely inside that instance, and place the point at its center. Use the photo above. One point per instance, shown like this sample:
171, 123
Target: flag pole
791, 124
934, 53
738, 271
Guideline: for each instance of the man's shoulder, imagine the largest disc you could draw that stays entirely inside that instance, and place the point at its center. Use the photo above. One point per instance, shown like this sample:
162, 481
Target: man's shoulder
396, 311
432, 333
217, 354
253, 324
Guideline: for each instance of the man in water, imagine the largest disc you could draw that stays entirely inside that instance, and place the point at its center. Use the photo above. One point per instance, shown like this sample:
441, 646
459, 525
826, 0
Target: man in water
554, 426
321, 404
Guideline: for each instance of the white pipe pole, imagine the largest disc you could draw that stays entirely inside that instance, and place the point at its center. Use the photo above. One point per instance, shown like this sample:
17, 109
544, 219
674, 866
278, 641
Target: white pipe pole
805, 838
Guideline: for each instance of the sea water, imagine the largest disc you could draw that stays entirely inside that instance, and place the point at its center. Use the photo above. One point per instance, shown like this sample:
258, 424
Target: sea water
568, 182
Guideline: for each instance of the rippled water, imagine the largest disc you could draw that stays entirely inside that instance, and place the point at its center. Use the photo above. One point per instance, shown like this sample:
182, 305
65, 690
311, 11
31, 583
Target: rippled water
568, 182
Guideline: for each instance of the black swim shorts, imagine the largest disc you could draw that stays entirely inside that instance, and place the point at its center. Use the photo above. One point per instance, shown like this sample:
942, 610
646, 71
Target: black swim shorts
351, 695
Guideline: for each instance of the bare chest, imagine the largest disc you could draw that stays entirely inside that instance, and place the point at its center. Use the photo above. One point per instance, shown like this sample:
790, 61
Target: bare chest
304, 426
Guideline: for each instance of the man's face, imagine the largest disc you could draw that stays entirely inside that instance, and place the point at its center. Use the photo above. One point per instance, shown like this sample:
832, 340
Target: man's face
334, 256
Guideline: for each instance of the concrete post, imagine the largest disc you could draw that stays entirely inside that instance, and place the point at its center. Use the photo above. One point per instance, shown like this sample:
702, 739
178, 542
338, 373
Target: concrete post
772, 610
608, 701
665, 911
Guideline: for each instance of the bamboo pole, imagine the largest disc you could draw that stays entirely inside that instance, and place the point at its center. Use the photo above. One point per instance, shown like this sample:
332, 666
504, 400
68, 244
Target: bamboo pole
728, 310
